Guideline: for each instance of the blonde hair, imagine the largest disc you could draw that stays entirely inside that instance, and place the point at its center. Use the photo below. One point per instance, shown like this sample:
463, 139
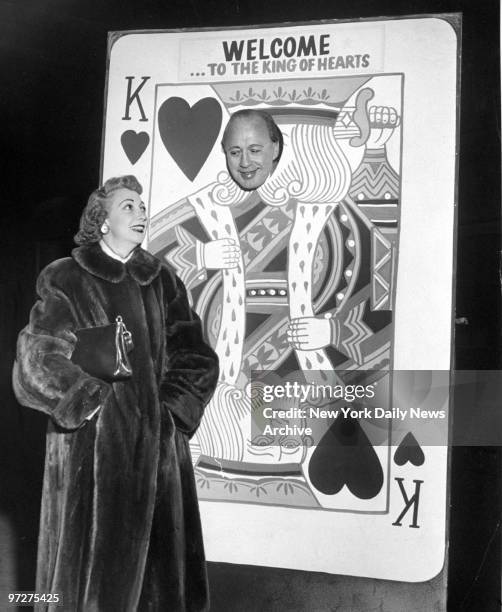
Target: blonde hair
95, 211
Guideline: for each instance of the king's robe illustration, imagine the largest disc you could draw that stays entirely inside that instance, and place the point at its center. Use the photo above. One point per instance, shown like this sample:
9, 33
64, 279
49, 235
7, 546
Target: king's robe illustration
314, 258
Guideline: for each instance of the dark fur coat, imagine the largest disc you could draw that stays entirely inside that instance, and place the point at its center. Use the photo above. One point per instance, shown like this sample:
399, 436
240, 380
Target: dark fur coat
120, 526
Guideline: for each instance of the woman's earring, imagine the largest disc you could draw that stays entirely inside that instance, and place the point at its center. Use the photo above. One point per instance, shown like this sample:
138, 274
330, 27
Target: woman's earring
105, 229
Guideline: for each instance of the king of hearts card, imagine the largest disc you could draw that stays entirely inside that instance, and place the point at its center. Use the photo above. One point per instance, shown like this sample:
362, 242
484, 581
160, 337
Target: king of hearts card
336, 270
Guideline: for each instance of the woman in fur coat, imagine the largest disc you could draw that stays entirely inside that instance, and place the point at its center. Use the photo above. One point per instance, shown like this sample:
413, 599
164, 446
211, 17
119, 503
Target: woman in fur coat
120, 526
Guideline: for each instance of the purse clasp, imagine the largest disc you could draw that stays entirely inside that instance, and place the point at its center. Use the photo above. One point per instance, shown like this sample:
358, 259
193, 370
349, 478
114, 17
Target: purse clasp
123, 344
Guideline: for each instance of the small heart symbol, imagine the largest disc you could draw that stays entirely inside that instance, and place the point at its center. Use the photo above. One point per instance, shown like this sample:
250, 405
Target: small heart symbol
409, 450
134, 144
345, 456
189, 133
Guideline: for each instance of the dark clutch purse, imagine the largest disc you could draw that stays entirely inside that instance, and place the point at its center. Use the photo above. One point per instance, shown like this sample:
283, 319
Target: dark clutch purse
102, 351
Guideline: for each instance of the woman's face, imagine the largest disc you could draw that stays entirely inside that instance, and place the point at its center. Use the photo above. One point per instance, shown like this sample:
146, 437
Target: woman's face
127, 220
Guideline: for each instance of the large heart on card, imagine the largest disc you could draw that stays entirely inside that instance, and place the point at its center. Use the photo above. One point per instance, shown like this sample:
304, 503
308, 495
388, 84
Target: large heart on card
189, 133
345, 456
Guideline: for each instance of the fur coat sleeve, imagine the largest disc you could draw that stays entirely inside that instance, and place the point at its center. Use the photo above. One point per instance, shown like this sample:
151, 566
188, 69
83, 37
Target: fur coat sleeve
191, 368
44, 377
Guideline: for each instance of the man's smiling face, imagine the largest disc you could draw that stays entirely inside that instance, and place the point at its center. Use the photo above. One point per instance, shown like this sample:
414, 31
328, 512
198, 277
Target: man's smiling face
250, 152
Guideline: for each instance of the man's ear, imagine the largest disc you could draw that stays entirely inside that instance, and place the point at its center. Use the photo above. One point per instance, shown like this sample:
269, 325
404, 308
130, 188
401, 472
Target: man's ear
276, 151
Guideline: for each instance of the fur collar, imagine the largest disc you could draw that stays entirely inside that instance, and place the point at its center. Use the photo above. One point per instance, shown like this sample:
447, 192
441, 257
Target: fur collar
142, 266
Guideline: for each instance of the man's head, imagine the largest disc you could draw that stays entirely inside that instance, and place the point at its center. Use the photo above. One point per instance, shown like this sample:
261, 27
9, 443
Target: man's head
253, 145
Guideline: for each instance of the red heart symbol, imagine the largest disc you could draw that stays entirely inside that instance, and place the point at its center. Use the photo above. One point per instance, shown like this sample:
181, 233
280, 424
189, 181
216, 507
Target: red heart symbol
188, 133
409, 450
134, 144
345, 456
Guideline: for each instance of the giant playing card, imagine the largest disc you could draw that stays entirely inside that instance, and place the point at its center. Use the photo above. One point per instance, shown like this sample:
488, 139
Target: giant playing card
334, 274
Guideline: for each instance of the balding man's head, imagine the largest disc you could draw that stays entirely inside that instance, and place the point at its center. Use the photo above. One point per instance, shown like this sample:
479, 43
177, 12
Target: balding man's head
253, 145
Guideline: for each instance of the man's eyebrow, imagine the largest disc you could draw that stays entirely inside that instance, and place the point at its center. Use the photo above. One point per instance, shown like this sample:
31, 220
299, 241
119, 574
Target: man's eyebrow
127, 200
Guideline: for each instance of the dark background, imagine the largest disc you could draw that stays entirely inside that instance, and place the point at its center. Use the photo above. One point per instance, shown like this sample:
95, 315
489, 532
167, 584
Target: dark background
53, 58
